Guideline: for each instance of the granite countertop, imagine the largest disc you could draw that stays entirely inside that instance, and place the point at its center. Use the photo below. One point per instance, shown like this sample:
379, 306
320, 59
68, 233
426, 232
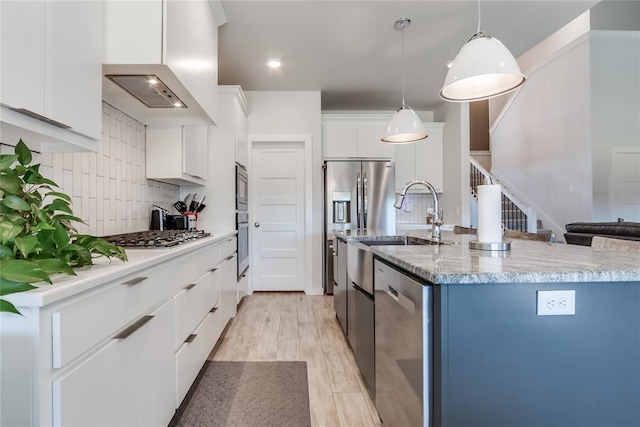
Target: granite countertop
105, 270
526, 262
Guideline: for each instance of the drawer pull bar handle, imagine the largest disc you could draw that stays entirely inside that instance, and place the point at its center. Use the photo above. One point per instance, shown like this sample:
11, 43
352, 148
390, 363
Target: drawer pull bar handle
213, 269
190, 286
191, 338
214, 309
404, 302
135, 280
127, 332
228, 258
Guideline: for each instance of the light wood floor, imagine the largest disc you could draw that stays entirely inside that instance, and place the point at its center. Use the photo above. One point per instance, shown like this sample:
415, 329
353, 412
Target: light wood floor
293, 326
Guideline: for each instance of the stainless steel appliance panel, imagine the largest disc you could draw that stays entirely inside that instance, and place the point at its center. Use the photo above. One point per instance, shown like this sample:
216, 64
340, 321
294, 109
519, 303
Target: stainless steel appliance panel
340, 194
329, 271
242, 188
340, 289
378, 189
403, 348
242, 226
363, 340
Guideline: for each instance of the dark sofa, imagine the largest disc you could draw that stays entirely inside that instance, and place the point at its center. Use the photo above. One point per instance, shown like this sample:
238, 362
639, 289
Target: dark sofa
581, 233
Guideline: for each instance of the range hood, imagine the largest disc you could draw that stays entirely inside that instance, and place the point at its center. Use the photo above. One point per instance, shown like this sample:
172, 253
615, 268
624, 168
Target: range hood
127, 88
148, 89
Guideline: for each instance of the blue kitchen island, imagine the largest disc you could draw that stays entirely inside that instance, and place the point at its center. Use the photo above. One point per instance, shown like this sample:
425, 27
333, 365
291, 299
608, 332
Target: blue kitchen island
498, 351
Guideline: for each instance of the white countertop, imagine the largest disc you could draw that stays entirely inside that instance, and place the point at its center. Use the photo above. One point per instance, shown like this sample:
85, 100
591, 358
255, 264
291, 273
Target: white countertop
105, 270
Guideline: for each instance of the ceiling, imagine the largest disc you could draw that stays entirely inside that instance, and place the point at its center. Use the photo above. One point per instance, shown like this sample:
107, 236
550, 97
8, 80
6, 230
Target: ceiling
350, 51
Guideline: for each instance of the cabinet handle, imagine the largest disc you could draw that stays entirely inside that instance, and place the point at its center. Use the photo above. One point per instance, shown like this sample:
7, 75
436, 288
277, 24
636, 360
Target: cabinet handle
404, 302
230, 239
213, 310
40, 117
127, 332
190, 286
191, 338
213, 269
228, 258
134, 281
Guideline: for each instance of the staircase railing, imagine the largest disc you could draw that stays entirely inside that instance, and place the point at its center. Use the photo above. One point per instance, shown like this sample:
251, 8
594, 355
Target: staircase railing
515, 214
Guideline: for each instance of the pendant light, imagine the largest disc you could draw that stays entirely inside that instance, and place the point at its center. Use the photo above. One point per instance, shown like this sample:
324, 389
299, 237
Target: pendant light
405, 126
482, 69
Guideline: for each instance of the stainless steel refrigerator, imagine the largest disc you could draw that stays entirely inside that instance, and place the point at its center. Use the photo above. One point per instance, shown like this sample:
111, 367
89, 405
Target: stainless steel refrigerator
358, 195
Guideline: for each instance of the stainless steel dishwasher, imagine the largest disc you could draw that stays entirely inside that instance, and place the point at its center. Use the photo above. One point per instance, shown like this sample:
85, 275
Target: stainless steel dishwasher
403, 348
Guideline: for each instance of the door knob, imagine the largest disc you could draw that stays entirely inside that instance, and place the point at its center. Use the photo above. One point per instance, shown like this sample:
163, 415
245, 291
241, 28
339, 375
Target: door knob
256, 224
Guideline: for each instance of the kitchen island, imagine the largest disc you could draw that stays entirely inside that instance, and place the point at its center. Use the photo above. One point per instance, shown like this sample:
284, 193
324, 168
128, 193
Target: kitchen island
493, 360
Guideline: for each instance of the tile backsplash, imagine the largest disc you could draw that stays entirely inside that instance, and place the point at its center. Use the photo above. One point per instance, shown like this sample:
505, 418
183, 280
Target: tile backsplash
414, 209
108, 188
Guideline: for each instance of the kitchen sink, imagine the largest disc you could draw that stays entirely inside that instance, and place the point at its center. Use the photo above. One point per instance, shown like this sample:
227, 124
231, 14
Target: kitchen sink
403, 241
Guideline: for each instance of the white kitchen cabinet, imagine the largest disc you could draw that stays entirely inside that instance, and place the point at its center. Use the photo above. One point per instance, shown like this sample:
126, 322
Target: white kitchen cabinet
177, 154
242, 129
85, 352
421, 160
354, 135
51, 87
174, 40
124, 374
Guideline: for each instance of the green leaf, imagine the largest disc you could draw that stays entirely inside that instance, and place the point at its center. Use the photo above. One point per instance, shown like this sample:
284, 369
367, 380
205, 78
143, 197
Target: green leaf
18, 270
11, 184
58, 205
6, 160
8, 307
34, 177
5, 251
66, 217
9, 287
53, 265
43, 226
60, 237
8, 231
26, 244
59, 194
15, 203
23, 152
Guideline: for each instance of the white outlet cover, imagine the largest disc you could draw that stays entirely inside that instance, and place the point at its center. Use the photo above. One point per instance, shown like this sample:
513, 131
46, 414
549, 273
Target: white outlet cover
556, 303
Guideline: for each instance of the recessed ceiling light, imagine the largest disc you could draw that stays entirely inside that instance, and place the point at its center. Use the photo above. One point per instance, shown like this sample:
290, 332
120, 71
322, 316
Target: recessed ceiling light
274, 63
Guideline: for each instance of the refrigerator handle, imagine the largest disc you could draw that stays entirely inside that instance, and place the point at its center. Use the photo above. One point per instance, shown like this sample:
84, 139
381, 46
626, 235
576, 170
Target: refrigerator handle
365, 205
358, 201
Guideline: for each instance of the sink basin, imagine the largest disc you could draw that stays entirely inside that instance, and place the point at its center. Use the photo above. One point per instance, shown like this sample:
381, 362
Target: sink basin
403, 241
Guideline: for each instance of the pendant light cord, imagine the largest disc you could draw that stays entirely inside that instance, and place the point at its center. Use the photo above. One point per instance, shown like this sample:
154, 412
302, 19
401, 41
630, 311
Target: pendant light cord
479, 16
402, 66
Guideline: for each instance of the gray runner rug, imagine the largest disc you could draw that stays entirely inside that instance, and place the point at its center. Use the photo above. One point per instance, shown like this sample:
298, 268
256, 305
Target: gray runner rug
243, 394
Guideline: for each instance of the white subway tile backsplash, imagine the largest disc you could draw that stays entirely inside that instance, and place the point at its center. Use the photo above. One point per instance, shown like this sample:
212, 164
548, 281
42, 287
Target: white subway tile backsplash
414, 209
108, 189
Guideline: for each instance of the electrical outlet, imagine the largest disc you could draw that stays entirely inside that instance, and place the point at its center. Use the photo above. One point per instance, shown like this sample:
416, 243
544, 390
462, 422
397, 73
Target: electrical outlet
556, 303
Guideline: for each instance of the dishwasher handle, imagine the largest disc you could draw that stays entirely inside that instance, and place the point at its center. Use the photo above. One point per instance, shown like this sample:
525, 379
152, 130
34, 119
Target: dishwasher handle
402, 300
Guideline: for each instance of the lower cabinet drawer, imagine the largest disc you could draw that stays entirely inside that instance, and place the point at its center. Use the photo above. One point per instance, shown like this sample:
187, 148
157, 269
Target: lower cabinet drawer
191, 356
193, 303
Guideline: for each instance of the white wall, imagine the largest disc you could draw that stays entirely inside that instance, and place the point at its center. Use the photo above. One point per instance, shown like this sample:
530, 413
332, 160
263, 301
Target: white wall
455, 199
615, 112
541, 143
295, 113
109, 190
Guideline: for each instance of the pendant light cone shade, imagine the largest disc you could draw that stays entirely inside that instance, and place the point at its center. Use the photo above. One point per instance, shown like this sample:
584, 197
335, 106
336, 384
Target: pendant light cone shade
404, 127
483, 68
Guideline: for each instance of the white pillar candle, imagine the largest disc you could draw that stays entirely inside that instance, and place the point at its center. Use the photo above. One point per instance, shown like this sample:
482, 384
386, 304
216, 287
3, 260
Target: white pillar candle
489, 214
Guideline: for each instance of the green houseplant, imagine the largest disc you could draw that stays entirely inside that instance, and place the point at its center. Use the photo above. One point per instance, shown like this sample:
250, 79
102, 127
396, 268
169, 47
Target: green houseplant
37, 237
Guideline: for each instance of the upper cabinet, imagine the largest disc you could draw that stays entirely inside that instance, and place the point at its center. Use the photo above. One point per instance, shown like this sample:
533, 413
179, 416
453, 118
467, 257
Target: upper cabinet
50, 74
355, 135
177, 154
177, 41
421, 160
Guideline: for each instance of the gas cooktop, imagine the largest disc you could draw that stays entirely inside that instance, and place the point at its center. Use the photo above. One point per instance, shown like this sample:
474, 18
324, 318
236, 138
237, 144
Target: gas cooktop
155, 238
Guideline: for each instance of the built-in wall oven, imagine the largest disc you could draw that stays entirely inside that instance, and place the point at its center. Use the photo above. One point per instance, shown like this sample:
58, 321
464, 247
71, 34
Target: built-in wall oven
242, 188
242, 225
242, 218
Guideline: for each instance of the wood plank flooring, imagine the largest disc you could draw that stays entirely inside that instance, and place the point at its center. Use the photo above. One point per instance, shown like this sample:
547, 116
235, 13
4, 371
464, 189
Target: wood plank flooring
294, 326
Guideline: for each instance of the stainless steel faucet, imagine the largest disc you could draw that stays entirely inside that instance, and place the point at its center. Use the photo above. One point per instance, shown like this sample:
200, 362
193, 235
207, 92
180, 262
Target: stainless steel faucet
437, 220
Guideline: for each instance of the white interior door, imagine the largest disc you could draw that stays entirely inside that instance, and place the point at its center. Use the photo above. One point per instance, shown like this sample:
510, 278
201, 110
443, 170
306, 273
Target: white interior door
625, 184
277, 202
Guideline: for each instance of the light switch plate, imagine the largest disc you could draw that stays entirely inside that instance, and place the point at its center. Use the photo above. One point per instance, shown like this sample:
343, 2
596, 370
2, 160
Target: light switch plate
556, 303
